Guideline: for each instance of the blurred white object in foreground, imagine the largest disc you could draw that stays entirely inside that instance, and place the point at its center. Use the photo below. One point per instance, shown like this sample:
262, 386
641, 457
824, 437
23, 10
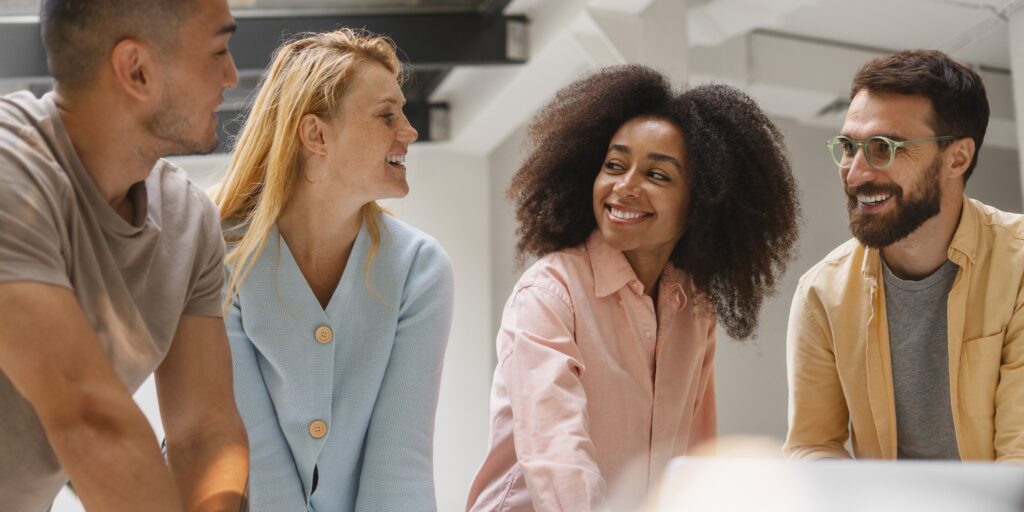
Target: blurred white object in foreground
697, 484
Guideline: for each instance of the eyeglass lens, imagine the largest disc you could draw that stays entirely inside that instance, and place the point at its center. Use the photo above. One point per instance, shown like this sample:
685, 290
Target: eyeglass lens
877, 150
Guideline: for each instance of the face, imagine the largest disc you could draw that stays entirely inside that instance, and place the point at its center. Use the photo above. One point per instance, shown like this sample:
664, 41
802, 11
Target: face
642, 193
195, 74
368, 140
886, 206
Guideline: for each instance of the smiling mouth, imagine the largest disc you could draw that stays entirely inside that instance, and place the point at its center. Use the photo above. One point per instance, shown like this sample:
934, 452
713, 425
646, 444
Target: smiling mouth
396, 161
872, 199
625, 216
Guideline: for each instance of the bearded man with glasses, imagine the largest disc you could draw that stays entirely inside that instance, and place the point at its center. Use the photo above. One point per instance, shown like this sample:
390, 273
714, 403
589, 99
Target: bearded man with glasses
910, 337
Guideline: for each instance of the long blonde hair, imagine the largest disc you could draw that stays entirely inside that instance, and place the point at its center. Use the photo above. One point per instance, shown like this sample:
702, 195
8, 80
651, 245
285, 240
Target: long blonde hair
309, 75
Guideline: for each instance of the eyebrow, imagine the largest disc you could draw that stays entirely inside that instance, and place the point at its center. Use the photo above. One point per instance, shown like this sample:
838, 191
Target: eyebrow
892, 135
229, 28
394, 101
657, 157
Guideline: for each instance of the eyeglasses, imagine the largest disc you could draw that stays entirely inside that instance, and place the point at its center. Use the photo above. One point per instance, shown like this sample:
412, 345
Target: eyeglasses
880, 151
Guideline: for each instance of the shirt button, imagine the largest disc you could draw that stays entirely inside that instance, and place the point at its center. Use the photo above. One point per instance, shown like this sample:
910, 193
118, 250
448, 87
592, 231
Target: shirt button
318, 429
324, 335
647, 333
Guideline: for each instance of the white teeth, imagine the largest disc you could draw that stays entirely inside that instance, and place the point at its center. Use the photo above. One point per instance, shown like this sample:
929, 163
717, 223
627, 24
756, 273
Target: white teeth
623, 215
396, 159
872, 199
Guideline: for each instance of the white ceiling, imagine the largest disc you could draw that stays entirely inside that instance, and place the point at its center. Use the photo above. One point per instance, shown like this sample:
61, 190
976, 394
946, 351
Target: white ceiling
970, 30
796, 57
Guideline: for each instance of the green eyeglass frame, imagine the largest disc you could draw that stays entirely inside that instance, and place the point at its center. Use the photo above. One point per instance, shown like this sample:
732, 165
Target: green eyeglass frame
879, 151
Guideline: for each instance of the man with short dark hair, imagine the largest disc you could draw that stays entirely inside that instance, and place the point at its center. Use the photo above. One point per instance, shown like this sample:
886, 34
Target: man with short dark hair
111, 265
910, 337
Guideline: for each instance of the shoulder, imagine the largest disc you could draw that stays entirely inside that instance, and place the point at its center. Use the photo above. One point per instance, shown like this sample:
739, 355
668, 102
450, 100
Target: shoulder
837, 264
556, 274
997, 221
411, 246
27, 157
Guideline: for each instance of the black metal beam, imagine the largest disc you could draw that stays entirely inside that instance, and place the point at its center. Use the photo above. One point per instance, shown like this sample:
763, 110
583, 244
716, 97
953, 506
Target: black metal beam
426, 40
432, 44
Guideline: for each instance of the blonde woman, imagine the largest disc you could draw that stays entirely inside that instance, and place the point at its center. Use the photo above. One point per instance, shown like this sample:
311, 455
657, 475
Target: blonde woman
338, 314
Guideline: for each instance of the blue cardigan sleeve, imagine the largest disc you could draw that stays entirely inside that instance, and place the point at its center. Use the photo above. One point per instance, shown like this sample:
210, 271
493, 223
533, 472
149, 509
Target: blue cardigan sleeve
274, 482
398, 472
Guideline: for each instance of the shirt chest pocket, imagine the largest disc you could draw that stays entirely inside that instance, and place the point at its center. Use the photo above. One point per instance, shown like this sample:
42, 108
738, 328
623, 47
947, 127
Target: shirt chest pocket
980, 361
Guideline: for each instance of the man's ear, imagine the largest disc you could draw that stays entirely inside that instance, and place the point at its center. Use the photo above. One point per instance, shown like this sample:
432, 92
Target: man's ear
959, 155
134, 67
313, 134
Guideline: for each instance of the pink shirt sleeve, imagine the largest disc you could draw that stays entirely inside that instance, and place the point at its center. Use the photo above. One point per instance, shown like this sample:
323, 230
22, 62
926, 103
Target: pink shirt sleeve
705, 417
541, 366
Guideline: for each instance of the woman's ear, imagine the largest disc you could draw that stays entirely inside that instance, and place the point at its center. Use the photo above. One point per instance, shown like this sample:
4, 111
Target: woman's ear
313, 134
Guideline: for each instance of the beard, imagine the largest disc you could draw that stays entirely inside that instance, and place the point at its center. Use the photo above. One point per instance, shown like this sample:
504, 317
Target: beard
174, 130
881, 230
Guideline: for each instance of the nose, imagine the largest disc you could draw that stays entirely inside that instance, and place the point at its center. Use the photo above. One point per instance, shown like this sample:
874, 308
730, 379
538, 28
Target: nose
230, 73
860, 171
628, 184
407, 134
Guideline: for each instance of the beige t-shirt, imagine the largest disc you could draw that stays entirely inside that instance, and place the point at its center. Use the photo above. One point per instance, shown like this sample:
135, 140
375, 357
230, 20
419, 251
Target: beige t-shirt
134, 280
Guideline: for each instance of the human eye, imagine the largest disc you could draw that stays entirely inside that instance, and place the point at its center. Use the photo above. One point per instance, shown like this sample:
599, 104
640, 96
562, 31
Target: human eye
614, 166
849, 148
388, 117
658, 175
880, 146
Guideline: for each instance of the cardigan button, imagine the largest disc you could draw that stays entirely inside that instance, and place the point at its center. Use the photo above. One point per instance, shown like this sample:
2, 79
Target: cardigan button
324, 335
318, 429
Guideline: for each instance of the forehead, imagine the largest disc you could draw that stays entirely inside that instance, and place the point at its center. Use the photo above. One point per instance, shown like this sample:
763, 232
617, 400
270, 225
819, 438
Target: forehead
875, 113
372, 82
652, 133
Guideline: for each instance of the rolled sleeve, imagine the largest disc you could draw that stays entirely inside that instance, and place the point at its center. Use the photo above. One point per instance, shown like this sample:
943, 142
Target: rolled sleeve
205, 297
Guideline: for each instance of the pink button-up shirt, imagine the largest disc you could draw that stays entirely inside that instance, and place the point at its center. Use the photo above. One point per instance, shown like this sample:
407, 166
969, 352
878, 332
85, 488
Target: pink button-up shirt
594, 391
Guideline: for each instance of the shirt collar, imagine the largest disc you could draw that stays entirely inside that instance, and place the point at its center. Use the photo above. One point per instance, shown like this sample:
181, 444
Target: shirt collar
965, 240
612, 272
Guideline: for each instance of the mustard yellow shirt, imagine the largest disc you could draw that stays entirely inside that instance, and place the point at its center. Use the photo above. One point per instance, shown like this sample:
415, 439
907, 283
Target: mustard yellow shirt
840, 378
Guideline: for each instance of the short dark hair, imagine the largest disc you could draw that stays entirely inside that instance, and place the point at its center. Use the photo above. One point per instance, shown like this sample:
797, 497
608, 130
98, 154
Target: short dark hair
955, 91
80, 34
743, 210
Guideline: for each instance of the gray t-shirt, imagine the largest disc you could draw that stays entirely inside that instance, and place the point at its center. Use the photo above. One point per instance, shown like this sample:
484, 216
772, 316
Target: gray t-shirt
134, 280
918, 345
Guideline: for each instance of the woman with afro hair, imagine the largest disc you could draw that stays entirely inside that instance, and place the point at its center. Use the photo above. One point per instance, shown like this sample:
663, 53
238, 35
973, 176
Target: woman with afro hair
655, 216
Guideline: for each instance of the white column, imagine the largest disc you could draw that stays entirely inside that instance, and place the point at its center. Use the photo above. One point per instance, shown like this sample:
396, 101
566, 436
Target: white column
1017, 68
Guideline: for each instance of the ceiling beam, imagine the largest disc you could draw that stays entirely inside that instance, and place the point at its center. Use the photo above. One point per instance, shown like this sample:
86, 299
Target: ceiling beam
432, 44
426, 40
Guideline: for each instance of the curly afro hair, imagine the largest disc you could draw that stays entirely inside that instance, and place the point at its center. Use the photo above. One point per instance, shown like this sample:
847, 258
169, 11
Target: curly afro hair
744, 212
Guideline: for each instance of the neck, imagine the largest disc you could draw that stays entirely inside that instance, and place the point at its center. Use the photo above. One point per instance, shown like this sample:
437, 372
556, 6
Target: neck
318, 224
925, 250
648, 266
107, 143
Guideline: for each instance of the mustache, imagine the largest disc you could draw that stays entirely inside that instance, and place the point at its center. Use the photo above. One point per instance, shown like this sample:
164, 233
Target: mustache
873, 189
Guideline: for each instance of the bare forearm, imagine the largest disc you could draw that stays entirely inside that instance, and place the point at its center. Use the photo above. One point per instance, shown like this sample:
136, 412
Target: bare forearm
212, 470
114, 463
